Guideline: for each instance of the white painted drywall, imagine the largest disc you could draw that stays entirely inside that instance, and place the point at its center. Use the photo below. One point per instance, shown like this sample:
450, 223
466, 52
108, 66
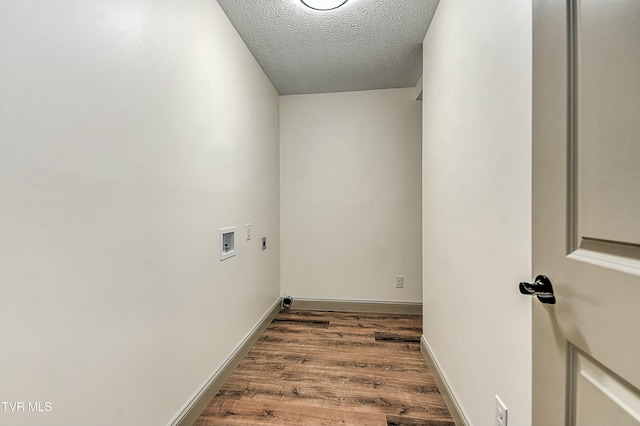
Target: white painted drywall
476, 203
350, 195
130, 132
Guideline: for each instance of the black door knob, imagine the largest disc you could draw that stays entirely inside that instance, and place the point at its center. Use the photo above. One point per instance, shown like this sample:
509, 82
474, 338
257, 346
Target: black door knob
541, 287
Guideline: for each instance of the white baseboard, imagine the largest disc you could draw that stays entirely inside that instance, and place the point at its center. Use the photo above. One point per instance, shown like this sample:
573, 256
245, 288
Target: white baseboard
447, 393
196, 405
374, 306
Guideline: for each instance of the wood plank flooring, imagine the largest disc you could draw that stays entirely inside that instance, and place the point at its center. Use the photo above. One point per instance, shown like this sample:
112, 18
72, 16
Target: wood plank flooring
330, 368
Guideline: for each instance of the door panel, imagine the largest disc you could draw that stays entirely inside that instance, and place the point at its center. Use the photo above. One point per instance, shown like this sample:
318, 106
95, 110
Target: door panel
607, 101
601, 397
586, 215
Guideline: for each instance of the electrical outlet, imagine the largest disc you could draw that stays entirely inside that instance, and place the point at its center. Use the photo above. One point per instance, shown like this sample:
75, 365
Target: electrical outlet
501, 412
264, 243
248, 231
399, 281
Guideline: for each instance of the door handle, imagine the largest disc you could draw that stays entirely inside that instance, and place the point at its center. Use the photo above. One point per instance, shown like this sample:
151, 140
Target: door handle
541, 287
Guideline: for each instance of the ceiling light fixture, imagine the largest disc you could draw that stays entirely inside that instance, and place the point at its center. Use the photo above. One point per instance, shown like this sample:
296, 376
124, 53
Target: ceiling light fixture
323, 4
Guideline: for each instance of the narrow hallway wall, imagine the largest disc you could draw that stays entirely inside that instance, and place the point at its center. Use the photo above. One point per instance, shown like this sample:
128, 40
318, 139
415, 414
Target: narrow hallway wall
477, 203
130, 133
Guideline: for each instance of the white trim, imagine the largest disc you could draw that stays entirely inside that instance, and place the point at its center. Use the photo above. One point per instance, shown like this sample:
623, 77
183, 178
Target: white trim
605, 260
199, 401
455, 409
375, 306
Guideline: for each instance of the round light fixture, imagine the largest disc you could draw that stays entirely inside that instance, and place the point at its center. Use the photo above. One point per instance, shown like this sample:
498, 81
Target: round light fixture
323, 4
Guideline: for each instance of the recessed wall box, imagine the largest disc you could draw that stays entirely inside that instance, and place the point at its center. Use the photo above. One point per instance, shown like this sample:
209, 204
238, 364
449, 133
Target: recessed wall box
227, 243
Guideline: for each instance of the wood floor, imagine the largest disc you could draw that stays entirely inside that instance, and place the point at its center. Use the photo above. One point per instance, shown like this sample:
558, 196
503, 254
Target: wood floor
326, 368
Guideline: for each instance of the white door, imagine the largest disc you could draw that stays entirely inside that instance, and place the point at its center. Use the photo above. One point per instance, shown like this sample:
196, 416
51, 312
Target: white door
586, 219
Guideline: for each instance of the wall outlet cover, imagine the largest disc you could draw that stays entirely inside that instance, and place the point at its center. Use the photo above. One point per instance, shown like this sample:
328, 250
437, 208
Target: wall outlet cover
501, 412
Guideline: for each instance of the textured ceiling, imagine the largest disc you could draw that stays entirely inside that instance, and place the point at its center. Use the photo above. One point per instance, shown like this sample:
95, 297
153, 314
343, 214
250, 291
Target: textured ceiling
363, 45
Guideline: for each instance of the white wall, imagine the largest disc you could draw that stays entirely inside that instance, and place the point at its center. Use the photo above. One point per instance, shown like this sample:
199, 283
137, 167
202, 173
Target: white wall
476, 203
350, 195
130, 132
